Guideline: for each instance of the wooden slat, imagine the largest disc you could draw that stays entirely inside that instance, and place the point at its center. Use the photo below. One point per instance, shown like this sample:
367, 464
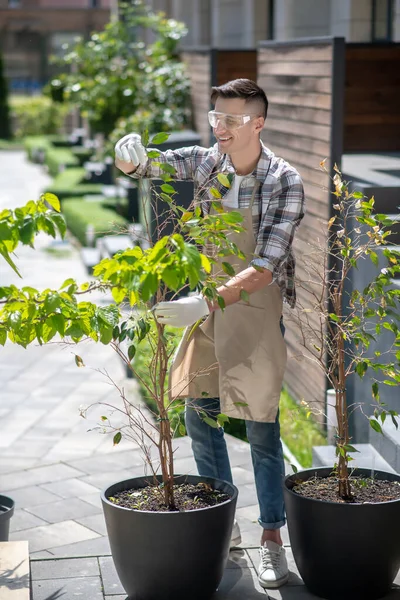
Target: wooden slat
297, 54
199, 70
299, 113
294, 83
308, 69
315, 132
305, 144
235, 65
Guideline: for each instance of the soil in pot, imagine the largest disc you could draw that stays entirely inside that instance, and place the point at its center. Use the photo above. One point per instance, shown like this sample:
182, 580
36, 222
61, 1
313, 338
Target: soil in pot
365, 490
187, 497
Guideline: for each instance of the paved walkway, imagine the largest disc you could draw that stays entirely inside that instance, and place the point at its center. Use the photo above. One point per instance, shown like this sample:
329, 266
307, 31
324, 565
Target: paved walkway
54, 467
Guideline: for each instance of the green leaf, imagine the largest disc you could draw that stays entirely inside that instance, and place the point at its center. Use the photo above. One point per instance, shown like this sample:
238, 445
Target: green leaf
375, 390
294, 468
223, 180
240, 403
153, 154
118, 294
60, 223
375, 425
168, 189
3, 336
211, 422
117, 438
27, 231
168, 168
66, 283
215, 193
145, 138
221, 302
182, 430
52, 302
58, 321
350, 448
244, 295
106, 334
159, 138
170, 278
228, 269
52, 200
374, 258
131, 351
358, 195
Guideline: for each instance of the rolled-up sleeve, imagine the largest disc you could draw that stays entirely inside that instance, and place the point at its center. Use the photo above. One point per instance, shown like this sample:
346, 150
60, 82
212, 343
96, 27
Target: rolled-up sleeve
281, 213
184, 160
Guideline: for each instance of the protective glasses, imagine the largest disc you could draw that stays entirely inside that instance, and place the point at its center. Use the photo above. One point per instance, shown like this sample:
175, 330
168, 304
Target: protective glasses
228, 121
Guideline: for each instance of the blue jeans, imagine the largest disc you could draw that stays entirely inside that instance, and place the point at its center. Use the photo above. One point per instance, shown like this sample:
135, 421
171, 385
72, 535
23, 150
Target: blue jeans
211, 456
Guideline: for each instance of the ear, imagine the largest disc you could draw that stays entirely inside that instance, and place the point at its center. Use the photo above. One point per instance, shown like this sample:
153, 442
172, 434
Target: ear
259, 124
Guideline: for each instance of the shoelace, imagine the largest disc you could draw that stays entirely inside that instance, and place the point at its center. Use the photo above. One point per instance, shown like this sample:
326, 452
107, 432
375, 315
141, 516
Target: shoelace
269, 558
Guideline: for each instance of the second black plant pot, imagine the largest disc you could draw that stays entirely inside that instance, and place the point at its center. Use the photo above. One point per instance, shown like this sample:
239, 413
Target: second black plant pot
170, 555
6, 512
344, 551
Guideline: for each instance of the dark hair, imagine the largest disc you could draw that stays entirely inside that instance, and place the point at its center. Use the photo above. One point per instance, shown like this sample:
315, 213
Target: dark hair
241, 88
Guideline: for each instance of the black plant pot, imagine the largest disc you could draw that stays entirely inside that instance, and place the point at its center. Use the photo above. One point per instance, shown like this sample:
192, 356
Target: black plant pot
344, 551
170, 555
6, 512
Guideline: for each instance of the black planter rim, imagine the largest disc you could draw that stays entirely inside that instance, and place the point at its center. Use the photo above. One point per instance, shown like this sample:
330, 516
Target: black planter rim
167, 512
7, 506
347, 504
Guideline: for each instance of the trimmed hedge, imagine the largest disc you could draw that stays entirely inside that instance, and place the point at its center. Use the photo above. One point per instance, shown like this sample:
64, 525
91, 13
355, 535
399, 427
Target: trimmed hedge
82, 154
35, 143
58, 158
71, 183
79, 214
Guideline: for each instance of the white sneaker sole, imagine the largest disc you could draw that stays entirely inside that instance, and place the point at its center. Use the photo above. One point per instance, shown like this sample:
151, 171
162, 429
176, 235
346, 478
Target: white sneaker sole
273, 584
236, 541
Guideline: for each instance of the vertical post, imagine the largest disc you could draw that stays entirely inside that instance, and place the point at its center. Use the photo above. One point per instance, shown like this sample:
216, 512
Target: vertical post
215, 24
248, 22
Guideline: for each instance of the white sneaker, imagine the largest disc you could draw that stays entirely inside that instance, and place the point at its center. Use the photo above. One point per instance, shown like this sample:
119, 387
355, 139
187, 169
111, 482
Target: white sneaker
273, 570
236, 537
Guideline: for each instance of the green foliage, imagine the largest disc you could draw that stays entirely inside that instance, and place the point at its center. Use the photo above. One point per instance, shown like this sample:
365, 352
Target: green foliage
298, 430
35, 144
37, 115
79, 214
20, 226
116, 75
58, 159
71, 183
5, 120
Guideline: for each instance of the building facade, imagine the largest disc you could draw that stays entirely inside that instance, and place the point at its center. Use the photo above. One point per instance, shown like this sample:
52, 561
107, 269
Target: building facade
243, 23
33, 30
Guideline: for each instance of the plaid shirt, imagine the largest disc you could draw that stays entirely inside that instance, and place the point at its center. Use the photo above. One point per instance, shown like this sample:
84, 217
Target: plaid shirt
277, 209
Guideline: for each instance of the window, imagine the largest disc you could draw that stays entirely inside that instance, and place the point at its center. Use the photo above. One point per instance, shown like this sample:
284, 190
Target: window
61, 43
382, 20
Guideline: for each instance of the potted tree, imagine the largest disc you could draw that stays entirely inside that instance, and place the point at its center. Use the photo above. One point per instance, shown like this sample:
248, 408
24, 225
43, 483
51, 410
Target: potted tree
343, 522
161, 525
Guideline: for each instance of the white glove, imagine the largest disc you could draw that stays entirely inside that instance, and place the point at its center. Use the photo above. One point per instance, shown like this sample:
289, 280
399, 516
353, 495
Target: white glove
182, 312
130, 149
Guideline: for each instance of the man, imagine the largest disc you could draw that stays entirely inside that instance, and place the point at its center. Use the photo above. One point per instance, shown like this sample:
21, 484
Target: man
246, 339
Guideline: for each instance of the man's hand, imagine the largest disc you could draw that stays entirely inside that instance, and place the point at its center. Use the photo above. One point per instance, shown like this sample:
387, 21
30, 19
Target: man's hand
182, 312
130, 153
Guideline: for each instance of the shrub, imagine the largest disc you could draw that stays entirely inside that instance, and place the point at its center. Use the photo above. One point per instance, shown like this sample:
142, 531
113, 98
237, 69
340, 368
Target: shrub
35, 144
71, 183
82, 154
37, 115
79, 214
5, 124
59, 158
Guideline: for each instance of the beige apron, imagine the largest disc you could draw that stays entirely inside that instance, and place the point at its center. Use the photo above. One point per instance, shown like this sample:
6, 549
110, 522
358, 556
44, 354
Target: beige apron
238, 354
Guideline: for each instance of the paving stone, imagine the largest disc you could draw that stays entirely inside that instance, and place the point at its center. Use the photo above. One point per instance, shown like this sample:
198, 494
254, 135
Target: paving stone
31, 496
64, 568
69, 508
114, 460
239, 584
47, 537
40, 554
70, 488
95, 522
185, 466
239, 559
242, 476
14, 573
247, 495
24, 520
102, 480
99, 546
36, 449
11, 465
52, 589
124, 597
94, 499
38, 475
111, 582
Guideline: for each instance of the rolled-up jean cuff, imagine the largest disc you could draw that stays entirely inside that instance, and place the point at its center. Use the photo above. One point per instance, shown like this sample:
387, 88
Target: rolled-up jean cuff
277, 525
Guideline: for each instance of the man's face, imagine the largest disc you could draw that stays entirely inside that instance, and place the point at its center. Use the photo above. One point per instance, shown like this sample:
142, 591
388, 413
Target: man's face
236, 140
